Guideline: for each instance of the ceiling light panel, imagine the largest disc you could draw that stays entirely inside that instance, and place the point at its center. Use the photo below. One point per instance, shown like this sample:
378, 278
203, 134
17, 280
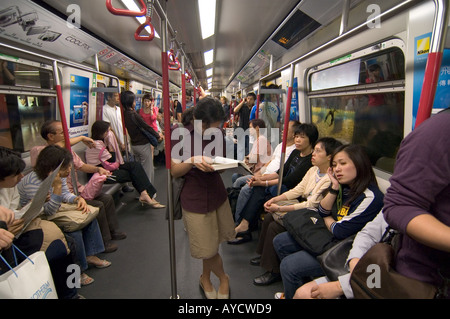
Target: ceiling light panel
207, 11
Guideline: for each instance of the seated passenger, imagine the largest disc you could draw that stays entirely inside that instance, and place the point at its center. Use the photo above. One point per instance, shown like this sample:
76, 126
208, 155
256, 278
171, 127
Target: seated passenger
265, 187
311, 190
106, 148
355, 191
322, 288
52, 132
88, 241
39, 235
418, 202
259, 154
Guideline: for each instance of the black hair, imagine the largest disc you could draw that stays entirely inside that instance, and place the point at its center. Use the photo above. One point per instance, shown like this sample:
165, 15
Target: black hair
98, 129
48, 128
364, 171
374, 67
11, 164
330, 144
187, 117
147, 96
252, 94
49, 159
310, 130
209, 110
127, 99
258, 123
109, 95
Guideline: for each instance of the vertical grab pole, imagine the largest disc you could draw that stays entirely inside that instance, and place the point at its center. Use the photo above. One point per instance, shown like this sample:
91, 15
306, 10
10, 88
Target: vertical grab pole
286, 126
62, 112
434, 61
183, 85
165, 75
258, 100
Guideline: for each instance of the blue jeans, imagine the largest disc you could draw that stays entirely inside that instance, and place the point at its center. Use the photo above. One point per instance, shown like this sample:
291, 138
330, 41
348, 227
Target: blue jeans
239, 180
296, 263
88, 242
244, 196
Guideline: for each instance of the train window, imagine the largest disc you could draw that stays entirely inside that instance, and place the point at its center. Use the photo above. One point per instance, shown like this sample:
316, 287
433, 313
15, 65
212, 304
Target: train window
26, 75
27, 99
21, 117
361, 101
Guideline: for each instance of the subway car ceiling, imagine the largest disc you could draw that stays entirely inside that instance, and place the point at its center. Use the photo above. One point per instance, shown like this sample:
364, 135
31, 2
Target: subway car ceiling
250, 38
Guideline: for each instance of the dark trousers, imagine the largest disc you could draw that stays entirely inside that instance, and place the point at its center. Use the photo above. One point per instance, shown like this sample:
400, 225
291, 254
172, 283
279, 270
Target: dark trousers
107, 216
269, 258
134, 172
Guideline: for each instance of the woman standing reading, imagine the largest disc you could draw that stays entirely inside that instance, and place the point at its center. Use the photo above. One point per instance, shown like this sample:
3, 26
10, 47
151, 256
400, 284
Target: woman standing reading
206, 210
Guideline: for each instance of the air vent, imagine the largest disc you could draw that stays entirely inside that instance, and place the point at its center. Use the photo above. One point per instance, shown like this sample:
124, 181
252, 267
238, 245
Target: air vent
298, 27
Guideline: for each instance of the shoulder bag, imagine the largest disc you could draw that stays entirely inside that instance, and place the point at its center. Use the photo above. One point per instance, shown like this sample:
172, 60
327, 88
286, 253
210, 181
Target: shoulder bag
309, 230
69, 219
374, 276
149, 135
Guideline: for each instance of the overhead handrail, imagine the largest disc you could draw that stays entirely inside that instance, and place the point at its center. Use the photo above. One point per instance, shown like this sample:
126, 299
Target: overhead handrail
147, 23
126, 12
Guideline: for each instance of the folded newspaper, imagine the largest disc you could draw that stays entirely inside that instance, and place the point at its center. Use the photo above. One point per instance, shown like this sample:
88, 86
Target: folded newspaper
221, 163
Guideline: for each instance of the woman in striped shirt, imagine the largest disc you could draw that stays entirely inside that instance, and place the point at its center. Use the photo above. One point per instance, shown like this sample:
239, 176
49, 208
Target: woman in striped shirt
88, 241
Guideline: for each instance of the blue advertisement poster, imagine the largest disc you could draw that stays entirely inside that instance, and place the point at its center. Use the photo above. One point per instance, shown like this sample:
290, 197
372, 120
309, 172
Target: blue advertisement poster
138, 100
79, 99
442, 97
293, 116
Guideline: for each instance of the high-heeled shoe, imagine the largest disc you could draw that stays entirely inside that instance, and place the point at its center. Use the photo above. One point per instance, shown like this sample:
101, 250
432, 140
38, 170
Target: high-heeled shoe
208, 294
152, 205
224, 296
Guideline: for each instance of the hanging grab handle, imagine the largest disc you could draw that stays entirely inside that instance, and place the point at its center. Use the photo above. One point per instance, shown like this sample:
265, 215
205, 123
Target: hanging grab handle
149, 37
188, 76
126, 12
174, 64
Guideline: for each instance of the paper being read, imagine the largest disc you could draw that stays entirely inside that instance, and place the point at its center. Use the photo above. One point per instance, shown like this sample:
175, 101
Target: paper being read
34, 208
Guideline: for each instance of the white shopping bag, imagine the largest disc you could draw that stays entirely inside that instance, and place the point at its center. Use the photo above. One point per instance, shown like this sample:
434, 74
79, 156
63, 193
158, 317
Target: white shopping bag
31, 279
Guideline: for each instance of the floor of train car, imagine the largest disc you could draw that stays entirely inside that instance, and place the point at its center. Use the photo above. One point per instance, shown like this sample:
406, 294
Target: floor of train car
141, 266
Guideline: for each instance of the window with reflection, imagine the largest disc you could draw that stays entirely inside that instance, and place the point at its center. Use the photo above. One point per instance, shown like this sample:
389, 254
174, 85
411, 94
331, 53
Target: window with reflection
354, 109
27, 100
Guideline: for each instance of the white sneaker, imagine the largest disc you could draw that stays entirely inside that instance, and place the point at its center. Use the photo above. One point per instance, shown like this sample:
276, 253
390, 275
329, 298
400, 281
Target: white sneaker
279, 295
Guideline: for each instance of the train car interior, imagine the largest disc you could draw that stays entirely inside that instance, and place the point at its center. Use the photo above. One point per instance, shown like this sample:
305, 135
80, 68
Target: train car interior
63, 59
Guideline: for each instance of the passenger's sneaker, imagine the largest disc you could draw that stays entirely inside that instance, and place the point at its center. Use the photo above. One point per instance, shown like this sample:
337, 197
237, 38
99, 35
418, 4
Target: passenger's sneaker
279, 295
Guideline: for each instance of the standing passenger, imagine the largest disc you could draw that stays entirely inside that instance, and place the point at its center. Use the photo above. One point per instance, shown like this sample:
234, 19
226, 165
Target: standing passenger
112, 114
204, 201
243, 110
140, 145
418, 201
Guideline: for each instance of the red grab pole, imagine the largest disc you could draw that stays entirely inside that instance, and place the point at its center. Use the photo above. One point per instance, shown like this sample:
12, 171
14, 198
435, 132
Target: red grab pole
434, 61
62, 112
285, 130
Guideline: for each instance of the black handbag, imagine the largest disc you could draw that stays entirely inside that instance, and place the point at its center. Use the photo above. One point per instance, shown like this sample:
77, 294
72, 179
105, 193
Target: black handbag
333, 260
177, 186
151, 136
309, 230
